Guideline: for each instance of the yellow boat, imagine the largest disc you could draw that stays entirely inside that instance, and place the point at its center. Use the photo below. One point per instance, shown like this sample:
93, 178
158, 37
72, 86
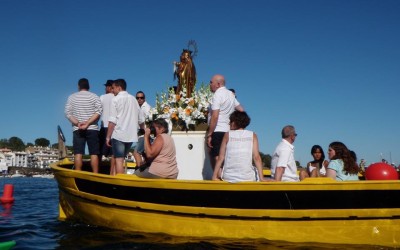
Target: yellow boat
314, 210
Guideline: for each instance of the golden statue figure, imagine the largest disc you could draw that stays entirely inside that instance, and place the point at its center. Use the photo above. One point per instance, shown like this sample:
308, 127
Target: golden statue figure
186, 71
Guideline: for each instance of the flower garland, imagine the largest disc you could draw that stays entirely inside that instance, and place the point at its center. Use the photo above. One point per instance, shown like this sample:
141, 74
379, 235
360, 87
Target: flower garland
184, 113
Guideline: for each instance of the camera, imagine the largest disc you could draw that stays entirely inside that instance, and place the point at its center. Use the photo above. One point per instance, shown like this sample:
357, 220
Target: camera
152, 130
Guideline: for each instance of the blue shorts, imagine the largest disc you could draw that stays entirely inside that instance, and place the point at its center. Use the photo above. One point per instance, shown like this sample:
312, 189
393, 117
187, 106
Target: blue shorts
81, 137
140, 145
120, 149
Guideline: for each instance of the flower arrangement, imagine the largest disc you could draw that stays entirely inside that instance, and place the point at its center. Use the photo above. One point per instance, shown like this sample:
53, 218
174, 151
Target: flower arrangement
184, 113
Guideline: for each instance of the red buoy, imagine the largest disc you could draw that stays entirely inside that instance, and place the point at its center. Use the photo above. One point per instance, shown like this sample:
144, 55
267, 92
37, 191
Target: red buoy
7, 194
381, 171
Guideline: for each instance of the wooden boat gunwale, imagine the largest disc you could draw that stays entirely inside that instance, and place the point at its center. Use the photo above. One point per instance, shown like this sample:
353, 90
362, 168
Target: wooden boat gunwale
76, 195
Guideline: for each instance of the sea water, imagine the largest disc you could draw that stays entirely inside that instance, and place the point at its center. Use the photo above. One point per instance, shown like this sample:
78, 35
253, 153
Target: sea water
32, 221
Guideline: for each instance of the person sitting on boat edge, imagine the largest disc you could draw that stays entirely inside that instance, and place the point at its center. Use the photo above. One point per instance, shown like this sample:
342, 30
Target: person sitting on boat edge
342, 166
317, 167
238, 148
283, 165
161, 154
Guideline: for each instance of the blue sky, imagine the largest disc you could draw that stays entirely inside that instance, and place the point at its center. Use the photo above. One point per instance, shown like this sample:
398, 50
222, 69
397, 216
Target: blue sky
330, 68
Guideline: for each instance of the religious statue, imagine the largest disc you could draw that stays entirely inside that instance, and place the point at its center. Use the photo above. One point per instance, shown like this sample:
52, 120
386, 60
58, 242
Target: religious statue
186, 71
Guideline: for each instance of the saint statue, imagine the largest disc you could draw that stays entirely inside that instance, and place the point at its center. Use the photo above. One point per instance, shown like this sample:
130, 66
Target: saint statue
186, 71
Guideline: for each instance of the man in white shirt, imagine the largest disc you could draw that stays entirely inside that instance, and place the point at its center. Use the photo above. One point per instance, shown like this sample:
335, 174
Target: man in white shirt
223, 105
125, 118
144, 106
106, 104
283, 164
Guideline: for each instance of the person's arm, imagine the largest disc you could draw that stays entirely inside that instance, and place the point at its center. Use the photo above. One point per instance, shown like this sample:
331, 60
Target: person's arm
213, 125
74, 121
279, 173
257, 157
152, 150
283, 160
221, 157
331, 173
239, 108
110, 130
331, 170
68, 113
84, 125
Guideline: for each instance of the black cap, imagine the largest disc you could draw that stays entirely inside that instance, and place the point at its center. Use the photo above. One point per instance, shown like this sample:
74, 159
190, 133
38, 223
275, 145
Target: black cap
109, 83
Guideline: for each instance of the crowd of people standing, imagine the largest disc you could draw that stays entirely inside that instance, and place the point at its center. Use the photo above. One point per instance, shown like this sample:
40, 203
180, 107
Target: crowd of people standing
232, 148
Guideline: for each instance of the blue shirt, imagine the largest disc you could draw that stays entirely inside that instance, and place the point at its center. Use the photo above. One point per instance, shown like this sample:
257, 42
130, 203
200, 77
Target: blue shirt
341, 175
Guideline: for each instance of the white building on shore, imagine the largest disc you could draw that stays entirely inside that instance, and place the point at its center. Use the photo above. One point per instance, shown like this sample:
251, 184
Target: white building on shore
3, 164
33, 157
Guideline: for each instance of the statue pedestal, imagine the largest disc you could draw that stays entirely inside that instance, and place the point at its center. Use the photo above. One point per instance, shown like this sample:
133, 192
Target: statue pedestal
192, 155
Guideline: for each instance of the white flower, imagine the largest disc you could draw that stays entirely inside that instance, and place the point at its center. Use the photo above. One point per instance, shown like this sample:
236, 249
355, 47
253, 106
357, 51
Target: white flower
179, 110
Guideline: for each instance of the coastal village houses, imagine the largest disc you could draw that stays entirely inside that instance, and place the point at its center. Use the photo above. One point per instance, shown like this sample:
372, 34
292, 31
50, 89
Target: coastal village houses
32, 157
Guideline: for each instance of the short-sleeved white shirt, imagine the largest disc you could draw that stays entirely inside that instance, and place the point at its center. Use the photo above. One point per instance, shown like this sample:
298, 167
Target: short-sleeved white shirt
284, 157
126, 115
224, 101
145, 109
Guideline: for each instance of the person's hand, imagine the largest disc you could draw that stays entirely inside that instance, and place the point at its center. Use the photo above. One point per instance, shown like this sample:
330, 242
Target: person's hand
83, 125
147, 132
216, 178
209, 142
108, 142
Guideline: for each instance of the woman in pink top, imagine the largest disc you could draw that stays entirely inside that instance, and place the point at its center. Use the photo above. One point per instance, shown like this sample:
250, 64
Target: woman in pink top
161, 153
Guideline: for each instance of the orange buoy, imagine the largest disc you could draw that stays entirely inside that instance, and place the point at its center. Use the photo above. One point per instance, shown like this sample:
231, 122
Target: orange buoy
7, 194
381, 171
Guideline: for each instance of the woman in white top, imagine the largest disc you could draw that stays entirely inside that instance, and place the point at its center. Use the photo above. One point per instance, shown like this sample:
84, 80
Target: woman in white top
317, 167
238, 149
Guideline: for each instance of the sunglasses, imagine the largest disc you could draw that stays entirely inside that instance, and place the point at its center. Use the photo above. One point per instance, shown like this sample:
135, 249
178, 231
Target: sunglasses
139, 97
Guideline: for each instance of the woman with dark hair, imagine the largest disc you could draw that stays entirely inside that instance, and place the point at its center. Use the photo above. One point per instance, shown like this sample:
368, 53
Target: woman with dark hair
239, 147
342, 166
317, 167
161, 154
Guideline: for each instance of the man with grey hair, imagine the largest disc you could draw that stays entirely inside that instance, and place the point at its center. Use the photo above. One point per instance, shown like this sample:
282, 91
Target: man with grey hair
283, 164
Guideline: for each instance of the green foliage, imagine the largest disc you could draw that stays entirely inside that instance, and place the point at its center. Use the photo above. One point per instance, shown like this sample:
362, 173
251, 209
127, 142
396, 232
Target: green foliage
266, 160
30, 144
3, 143
16, 144
43, 142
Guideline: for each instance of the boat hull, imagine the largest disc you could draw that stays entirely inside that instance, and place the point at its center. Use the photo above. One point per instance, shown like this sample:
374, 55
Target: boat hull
296, 212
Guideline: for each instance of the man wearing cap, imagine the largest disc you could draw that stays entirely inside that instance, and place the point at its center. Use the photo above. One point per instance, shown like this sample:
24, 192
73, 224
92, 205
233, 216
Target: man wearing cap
106, 104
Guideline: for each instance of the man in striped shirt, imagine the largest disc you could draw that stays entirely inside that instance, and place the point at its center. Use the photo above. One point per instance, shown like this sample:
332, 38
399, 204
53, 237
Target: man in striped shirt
83, 110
